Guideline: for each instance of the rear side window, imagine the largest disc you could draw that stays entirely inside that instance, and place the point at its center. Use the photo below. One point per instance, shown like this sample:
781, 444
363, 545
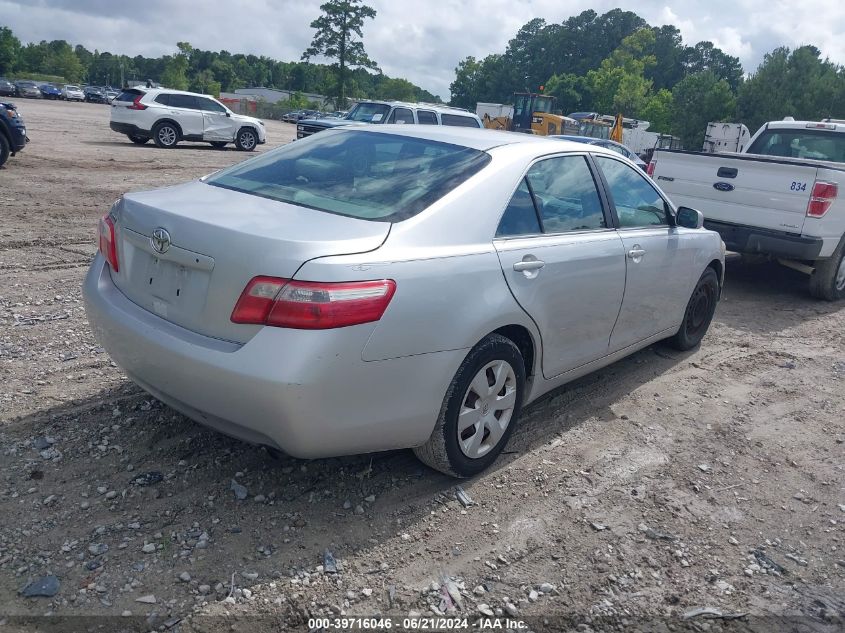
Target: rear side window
426, 117
183, 101
456, 120
566, 195
162, 99
358, 174
801, 143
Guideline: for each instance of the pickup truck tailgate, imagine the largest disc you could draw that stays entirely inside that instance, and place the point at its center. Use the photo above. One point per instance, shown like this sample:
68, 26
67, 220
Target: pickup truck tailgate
760, 191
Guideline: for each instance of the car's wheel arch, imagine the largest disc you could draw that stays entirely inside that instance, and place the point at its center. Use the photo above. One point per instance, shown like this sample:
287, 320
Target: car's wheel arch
719, 269
171, 121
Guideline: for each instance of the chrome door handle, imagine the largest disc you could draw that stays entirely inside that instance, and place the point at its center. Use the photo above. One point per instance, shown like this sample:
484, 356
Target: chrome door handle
634, 253
531, 264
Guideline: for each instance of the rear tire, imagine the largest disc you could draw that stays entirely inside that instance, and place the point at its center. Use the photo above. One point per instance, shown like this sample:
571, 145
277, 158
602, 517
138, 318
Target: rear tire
5, 150
699, 312
219, 144
485, 398
828, 280
138, 140
166, 135
246, 139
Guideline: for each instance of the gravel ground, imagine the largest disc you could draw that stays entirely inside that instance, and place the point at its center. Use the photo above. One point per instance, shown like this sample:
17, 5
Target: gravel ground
665, 483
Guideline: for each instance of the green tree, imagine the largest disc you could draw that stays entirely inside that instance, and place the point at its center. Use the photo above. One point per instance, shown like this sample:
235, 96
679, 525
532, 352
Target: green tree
619, 84
335, 35
798, 83
658, 111
10, 48
697, 100
569, 90
176, 67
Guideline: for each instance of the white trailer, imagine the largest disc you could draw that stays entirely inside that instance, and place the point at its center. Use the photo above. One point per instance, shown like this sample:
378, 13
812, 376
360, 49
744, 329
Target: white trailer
494, 110
726, 137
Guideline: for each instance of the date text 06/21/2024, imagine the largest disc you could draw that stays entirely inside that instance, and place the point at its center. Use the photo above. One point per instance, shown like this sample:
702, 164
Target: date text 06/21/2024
420, 623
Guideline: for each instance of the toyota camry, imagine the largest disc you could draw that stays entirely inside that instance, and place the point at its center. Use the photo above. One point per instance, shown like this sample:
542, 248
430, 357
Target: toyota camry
398, 287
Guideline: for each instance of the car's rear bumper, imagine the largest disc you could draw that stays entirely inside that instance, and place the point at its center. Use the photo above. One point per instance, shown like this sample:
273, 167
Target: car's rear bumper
750, 239
308, 393
128, 128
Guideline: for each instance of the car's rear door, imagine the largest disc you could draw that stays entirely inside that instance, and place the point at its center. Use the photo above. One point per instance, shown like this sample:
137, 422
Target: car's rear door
217, 124
563, 261
660, 258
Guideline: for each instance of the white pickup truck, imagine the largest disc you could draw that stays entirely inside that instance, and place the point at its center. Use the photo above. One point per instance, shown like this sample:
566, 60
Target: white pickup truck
779, 197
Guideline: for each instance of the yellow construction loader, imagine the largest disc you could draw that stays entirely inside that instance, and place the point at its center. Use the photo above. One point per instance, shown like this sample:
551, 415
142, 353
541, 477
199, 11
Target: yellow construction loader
533, 114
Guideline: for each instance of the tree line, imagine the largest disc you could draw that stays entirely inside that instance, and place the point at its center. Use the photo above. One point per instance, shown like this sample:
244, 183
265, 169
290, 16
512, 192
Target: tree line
617, 62
190, 68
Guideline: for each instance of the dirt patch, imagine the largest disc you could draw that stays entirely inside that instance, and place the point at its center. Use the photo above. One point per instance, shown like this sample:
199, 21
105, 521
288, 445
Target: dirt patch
653, 487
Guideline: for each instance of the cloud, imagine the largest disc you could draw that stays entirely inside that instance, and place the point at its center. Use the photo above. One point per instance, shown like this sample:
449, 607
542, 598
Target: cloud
422, 42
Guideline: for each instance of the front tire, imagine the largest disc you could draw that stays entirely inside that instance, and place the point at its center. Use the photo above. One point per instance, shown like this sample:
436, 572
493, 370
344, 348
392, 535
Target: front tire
828, 280
138, 140
479, 411
699, 312
246, 139
166, 135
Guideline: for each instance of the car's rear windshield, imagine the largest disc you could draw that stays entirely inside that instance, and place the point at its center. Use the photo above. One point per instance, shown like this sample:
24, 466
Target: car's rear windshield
801, 143
359, 174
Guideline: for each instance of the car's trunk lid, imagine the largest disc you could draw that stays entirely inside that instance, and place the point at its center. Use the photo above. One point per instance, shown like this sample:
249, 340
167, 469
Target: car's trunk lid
185, 253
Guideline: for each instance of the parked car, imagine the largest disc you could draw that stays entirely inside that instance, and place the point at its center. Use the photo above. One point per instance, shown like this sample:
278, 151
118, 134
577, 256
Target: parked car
778, 198
292, 117
608, 144
93, 94
49, 91
171, 116
379, 287
381, 112
111, 94
71, 92
7, 88
12, 131
26, 88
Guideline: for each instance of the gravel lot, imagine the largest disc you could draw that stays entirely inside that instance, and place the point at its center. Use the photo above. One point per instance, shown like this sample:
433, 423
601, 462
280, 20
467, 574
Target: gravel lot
662, 484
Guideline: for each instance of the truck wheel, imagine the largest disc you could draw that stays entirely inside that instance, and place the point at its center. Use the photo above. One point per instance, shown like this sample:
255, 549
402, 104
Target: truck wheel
699, 312
246, 140
479, 411
828, 280
166, 134
5, 150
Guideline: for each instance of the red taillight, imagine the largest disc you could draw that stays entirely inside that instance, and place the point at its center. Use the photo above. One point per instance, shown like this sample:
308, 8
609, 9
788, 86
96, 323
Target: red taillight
650, 169
108, 247
312, 305
137, 105
824, 193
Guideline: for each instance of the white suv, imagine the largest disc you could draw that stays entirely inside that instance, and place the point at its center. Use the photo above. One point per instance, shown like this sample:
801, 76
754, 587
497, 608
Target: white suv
170, 116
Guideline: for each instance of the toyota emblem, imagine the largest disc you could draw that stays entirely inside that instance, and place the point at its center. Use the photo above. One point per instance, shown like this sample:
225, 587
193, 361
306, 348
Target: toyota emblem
160, 240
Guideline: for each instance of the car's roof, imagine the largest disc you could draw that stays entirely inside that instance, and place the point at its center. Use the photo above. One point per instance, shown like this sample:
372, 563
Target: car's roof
475, 138
577, 139
170, 91
440, 107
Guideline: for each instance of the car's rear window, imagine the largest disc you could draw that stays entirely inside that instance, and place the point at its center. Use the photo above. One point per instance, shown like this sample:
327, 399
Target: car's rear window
801, 143
128, 95
457, 120
382, 177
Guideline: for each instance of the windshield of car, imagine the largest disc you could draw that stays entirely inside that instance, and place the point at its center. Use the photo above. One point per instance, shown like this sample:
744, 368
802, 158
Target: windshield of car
801, 143
369, 112
382, 177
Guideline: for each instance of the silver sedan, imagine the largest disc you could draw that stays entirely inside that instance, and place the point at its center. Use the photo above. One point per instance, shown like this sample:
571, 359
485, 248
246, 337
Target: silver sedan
406, 286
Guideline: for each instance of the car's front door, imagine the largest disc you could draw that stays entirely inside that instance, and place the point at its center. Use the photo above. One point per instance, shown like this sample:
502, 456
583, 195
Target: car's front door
217, 124
563, 261
660, 257
186, 113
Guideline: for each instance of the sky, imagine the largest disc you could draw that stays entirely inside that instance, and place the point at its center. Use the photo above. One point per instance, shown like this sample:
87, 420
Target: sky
420, 41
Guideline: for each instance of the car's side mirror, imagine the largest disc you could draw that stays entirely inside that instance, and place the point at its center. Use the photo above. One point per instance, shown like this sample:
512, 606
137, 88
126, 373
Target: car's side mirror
689, 218
228, 114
